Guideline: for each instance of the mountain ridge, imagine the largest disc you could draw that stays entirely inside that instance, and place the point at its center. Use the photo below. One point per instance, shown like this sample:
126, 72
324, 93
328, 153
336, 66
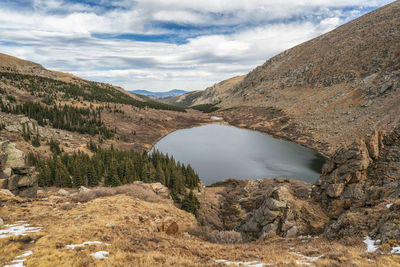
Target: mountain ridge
157, 95
344, 79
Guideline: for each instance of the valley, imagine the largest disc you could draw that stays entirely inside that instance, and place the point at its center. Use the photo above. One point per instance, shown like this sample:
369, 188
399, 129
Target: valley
79, 186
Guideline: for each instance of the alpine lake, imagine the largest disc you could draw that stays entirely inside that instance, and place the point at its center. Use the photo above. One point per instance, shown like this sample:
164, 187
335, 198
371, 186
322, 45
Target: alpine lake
218, 152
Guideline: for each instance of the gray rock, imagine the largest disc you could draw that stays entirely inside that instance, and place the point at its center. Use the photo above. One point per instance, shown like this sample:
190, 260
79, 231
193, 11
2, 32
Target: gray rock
7, 172
292, 232
3, 183
84, 189
334, 190
15, 157
272, 227
27, 180
13, 183
30, 192
274, 204
1, 222
63, 192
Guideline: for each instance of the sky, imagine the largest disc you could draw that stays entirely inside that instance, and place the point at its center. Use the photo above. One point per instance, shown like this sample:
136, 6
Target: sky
158, 45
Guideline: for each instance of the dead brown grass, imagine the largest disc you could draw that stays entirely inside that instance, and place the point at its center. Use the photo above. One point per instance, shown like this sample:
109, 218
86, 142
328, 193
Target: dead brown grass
139, 191
127, 228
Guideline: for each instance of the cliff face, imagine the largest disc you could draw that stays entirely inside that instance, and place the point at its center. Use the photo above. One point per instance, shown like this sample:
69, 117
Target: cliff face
343, 80
360, 188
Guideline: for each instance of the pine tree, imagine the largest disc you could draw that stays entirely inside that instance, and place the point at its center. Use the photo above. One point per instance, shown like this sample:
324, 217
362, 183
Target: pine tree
160, 176
190, 203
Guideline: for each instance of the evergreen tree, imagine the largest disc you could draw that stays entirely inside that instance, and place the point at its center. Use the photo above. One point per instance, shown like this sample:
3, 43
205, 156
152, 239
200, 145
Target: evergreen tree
160, 176
190, 203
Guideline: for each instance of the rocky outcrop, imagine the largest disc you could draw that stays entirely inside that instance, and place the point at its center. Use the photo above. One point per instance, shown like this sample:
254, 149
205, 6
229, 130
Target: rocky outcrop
262, 208
16, 175
283, 214
20, 124
360, 188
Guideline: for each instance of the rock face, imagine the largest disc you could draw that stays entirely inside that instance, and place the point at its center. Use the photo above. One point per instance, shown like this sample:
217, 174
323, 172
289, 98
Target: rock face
260, 208
16, 175
283, 214
357, 182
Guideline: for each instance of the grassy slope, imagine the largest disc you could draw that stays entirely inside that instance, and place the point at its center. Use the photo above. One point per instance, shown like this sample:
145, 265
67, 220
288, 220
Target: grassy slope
127, 228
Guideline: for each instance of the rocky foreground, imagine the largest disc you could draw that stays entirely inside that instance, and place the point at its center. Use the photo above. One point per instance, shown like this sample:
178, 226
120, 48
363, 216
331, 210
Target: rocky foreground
350, 217
133, 226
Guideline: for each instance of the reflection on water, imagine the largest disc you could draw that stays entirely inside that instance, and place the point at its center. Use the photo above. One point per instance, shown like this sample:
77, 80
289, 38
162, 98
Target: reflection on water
218, 152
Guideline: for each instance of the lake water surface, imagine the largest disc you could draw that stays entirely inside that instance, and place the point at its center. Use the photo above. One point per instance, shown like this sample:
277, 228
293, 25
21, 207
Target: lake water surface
217, 152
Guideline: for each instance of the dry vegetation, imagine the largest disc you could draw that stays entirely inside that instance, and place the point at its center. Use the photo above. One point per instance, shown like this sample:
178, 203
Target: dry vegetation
137, 190
131, 230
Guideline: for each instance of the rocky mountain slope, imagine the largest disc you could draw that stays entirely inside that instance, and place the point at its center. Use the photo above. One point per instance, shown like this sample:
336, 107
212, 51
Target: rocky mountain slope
138, 123
343, 80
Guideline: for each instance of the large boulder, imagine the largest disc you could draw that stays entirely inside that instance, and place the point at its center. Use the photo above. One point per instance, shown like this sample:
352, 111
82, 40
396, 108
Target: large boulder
283, 214
160, 190
14, 158
16, 175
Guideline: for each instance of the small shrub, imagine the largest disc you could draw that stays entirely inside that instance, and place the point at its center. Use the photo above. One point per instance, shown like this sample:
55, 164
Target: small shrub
139, 191
224, 237
215, 236
385, 248
66, 206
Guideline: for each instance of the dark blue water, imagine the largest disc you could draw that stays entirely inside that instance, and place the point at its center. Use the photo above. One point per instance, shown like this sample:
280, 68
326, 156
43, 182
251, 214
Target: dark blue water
218, 152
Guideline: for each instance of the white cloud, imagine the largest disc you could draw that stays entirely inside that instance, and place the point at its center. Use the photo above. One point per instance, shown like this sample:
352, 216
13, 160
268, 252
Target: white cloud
235, 36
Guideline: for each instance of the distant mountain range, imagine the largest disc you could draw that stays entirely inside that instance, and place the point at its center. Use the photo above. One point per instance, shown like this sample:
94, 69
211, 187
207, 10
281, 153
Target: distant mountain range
157, 95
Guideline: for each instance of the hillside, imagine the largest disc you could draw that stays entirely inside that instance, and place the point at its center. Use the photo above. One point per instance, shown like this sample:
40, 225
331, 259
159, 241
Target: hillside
35, 99
77, 186
325, 88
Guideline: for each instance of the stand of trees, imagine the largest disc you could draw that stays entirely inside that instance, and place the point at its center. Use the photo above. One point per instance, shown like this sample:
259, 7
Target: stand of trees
48, 89
82, 120
112, 167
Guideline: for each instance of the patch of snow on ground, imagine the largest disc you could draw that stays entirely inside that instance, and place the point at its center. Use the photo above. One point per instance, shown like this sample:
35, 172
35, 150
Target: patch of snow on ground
18, 230
389, 205
216, 118
395, 250
19, 262
370, 244
84, 244
306, 259
100, 255
26, 254
244, 263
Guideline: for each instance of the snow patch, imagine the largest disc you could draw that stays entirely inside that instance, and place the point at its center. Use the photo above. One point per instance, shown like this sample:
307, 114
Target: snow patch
306, 259
244, 263
26, 254
395, 250
84, 244
18, 230
19, 262
371, 248
389, 205
100, 255
215, 118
